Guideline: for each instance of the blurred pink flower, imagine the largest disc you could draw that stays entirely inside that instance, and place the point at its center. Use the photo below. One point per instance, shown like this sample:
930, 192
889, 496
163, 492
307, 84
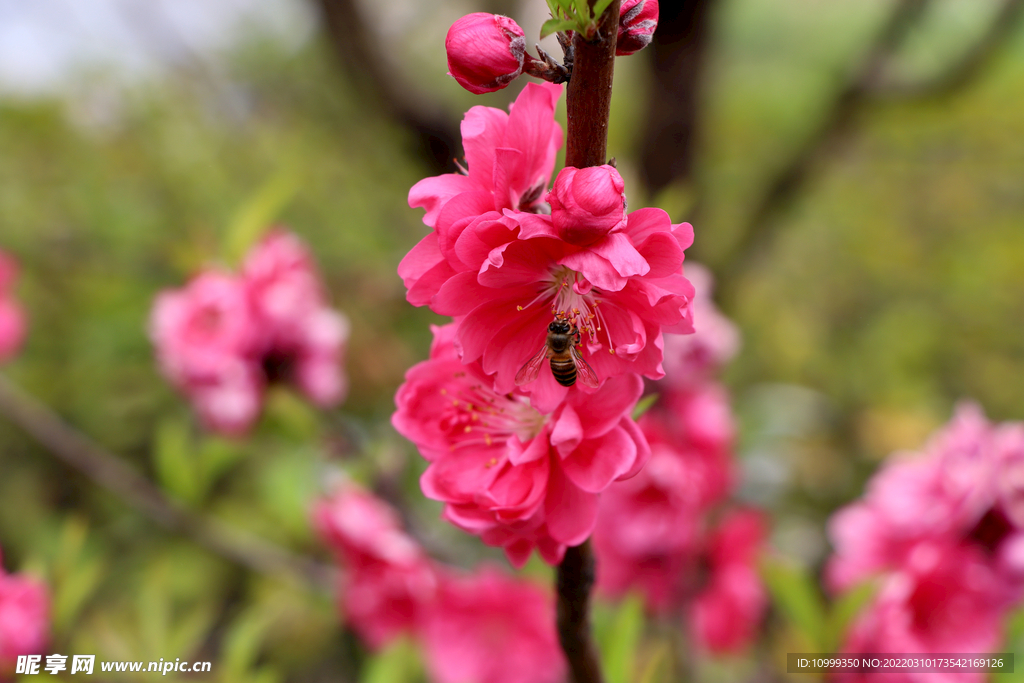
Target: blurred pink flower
726, 613
695, 358
490, 628
651, 528
206, 337
303, 340
388, 581
506, 471
222, 338
945, 598
485, 51
946, 493
637, 21
12, 318
24, 617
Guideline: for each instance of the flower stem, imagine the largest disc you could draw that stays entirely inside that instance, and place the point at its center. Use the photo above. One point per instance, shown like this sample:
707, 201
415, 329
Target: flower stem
589, 96
588, 101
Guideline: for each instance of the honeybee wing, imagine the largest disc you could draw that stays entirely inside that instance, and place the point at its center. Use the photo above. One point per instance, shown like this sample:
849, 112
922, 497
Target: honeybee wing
585, 374
531, 369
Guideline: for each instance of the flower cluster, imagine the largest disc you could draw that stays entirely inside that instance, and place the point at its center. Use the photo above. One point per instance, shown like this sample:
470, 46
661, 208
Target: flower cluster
943, 533
483, 627
24, 618
654, 532
223, 337
518, 478
486, 52
517, 453
12, 319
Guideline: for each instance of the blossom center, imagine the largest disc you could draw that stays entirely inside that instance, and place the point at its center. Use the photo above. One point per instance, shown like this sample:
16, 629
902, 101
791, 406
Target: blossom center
572, 297
476, 415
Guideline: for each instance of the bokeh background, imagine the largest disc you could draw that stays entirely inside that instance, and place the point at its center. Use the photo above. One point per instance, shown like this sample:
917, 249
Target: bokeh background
854, 170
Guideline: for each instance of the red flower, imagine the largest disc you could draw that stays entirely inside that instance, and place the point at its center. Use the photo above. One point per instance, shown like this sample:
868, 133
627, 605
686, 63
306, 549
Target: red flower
24, 617
506, 471
12, 318
490, 628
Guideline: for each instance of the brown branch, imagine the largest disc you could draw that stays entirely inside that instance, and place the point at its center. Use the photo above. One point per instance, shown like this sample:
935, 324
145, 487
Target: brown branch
574, 581
970, 64
588, 103
110, 472
589, 96
676, 61
367, 66
760, 228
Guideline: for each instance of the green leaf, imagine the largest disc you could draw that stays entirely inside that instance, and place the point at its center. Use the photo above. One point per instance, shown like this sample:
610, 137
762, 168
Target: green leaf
259, 212
644, 404
399, 663
242, 643
796, 596
600, 6
659, 655
619, 646
175, 463
555, 25
843, 612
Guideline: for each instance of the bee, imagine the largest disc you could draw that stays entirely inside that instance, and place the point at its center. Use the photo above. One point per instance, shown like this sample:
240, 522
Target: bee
567, 365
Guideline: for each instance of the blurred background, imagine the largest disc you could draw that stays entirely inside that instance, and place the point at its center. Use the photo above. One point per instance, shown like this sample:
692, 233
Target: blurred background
854, 170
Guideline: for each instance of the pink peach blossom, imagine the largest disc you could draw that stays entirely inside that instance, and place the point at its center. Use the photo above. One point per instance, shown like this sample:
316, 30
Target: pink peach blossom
485, 51
944, 493
506, 471
725, 615
637, 21
206, 337
587, 203
651, 529
696, 358
388, 581
504, 304
12, 318
24, 617
945, 598
490, 628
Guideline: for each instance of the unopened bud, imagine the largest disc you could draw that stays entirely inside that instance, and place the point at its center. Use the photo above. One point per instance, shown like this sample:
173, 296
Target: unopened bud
587, 203
637, 21
485, 51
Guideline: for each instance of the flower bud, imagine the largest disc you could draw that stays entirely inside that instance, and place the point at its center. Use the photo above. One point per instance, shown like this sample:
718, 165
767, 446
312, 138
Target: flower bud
587, 203
637, 21
485, 51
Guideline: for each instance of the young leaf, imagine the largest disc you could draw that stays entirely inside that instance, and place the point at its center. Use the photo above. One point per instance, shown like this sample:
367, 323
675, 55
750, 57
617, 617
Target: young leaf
399, 663
843, 612
797, 599
600, 6
618, 651
643, 405
258, 212
555, 25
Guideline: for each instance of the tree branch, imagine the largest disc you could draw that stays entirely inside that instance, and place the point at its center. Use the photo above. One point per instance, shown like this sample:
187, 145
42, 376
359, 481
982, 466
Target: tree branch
367, 66
965, 69
112, 473
588, 103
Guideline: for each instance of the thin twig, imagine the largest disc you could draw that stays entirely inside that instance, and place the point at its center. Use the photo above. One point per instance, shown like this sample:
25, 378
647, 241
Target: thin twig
574, 581
110, 472
967, 67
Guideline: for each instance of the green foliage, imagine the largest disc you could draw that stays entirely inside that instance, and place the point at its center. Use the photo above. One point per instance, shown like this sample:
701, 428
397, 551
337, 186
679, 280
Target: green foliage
618, 632
796, 596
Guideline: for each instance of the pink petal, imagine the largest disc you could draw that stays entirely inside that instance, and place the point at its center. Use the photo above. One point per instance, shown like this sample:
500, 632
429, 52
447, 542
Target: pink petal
571, 512
595, 268
479, 238
596, 463
663, 254
567, 432
533, 131
533, 225
643, 449
620, 252
483, 129
433, 193
521, 262
601, 411
534, 449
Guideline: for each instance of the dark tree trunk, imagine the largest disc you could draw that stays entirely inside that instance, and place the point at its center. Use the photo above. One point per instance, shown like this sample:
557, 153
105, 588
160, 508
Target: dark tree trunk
677, 58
